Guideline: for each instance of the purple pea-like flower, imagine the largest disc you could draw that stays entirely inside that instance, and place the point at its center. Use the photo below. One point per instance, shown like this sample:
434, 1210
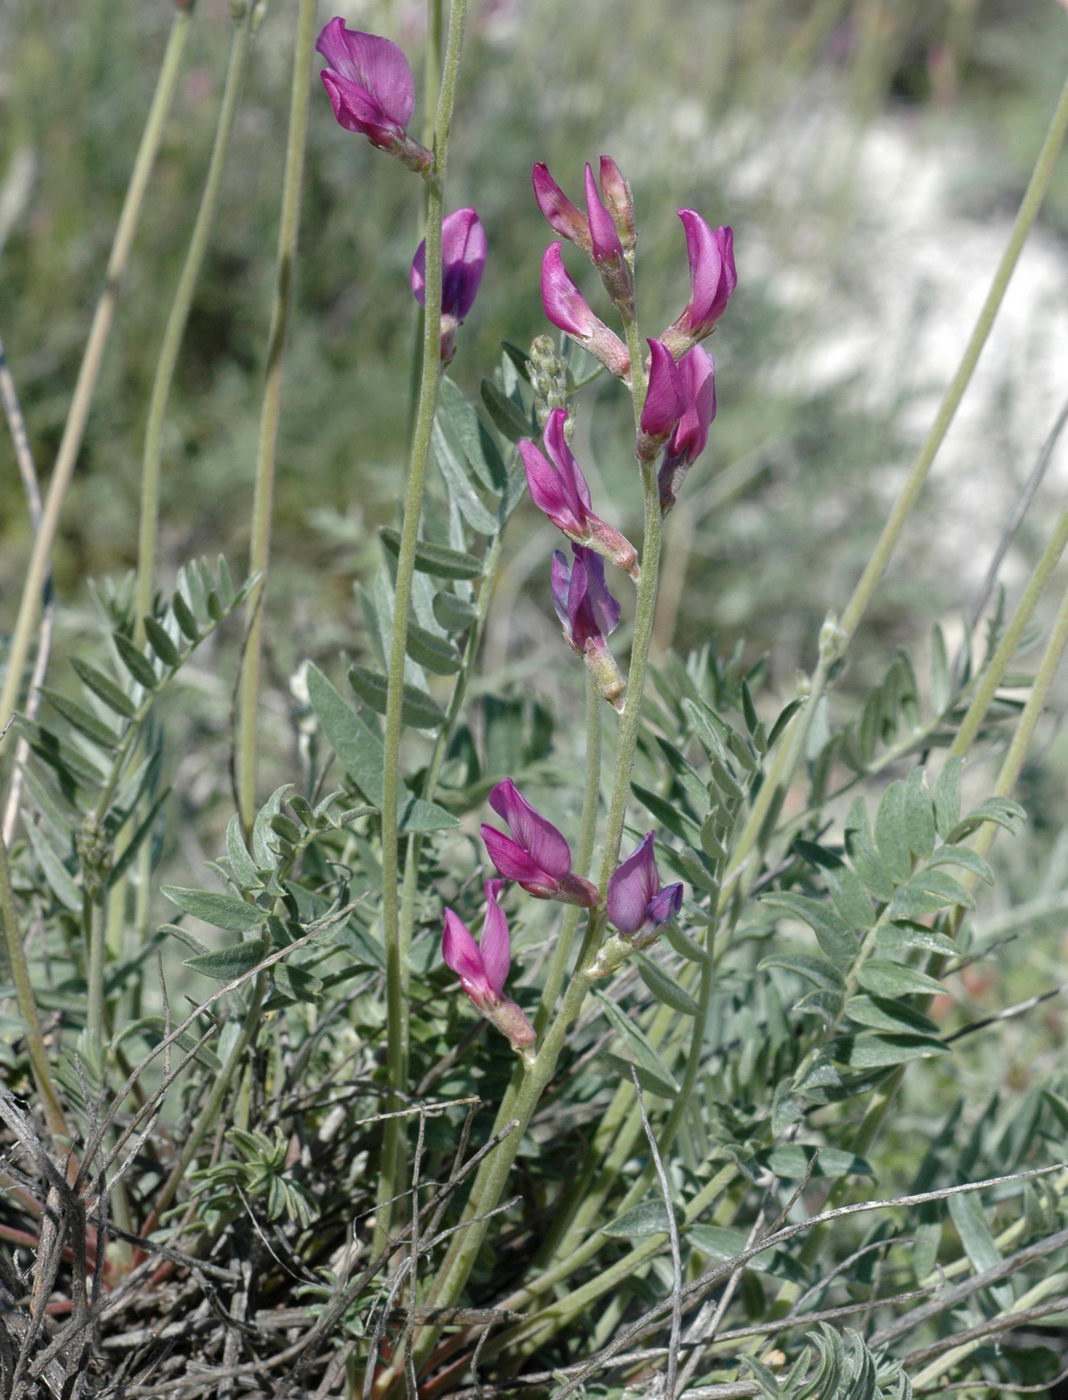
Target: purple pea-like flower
567, 308
463, 257
712, 280
371, 89
560, 214
697, 379
536, 855
588, 614
664, 402
559, 489
637, 905
605, 246
604, 232
483, 967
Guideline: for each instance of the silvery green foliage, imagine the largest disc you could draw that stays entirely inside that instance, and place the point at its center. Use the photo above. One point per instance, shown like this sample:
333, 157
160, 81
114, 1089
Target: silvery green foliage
834, 1366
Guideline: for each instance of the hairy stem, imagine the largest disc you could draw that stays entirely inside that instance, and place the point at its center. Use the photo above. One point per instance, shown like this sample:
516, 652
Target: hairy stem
179, 316
271, 413
395, 937
31, 1025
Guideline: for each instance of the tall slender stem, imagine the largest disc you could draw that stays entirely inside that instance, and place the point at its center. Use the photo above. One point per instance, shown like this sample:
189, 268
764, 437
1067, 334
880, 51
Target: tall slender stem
271, 411
520, 1106
31, 1025
179, 316
792, 750
587, 832
994, 671
1029, 206
89, 372
396, 937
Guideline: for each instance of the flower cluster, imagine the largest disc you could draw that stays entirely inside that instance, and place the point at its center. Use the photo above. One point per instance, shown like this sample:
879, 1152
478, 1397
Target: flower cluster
536, 855
371, 90
677, 410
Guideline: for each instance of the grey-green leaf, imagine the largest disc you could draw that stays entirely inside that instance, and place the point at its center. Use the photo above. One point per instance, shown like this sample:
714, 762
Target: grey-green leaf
82, 719
135, 662
435, 652
946, 795
104, 688
357, 745
811, 966
222, 910
230, 963
636, 1042
436, 559
507, 416
161, 642
888, 1014
418, 708
651, 1218
875, 1051
664, 987
454, 614
892, 834
832, 932
889, 979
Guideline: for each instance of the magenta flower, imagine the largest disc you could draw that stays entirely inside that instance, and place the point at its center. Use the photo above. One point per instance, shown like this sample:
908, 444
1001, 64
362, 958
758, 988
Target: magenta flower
588, 614
637, 905
606, 230
663, 405
568, 309
697, 379
605, 246
560, 214
712, 280
370, 86
463, 257
559, 489
483, 968
536, 855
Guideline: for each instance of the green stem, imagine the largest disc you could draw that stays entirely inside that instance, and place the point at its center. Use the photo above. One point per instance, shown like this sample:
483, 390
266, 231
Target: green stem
994, 671
271, 411
587, 832
31, 1025
179, 316
493, 1174
630, 724
89, 372
1025, 218
95, 942
395, 937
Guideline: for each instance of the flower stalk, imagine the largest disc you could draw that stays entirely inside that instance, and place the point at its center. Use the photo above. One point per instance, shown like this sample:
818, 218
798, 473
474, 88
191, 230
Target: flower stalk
395, 936
179, 317
271, 413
